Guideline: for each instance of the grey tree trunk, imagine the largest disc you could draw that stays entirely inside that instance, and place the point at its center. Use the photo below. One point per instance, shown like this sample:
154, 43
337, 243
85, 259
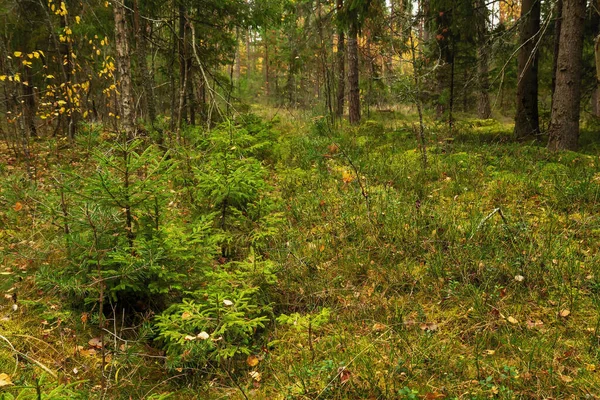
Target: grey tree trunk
564, 123
125, 100
527, 123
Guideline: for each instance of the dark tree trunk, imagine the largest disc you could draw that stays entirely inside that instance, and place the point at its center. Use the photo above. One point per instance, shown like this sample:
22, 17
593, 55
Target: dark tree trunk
353, 79
484, 109
564, 123
341, 61
183, 71
29, 104
527, 123
557, 27
146, 78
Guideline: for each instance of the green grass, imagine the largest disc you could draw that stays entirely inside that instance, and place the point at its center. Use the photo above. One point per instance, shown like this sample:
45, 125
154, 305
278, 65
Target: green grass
398, 282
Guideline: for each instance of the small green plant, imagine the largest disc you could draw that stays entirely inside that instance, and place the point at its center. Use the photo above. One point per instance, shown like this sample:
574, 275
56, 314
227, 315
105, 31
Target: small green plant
222, 319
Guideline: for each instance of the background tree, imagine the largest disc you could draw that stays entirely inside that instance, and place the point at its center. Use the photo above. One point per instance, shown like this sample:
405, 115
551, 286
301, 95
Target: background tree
564, 124
527, 117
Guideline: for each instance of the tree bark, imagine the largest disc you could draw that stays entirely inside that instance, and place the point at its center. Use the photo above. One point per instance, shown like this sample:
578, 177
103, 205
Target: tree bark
146, 78
557, 27
353, 78
266, 66
484, 109
564, 123
527, 123
341, 60
597, 58
124, 71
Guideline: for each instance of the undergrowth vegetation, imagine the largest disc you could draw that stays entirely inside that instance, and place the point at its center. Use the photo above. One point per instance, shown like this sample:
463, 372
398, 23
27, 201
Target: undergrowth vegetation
295, 259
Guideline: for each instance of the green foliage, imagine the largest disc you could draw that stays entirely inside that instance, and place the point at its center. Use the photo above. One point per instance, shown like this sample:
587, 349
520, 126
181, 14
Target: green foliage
222, 319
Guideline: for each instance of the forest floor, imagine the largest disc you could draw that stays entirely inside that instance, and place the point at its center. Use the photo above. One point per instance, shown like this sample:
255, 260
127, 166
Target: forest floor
475, 277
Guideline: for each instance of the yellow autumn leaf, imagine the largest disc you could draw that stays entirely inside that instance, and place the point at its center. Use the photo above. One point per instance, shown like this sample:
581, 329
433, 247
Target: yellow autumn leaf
347, 177
252, 361
5, 380
17, 53
2, 78
78, 19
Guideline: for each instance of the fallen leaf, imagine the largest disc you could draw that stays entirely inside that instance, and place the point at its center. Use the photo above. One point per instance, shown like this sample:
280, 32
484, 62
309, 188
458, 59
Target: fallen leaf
434, 396
532, 324
227, 303
489, 352
347, 177
88, 353
189, 337
186, 315
566, 378
252, 361
590, 367
84, 317
5, 380
519, 278
18, 206
255, 375
512, 320
429, 327
95, 342
203, 335
344, 374
377, 327
564, 313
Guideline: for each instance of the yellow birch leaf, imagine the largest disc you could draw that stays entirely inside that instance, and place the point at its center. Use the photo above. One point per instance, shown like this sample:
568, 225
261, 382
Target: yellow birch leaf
5, 380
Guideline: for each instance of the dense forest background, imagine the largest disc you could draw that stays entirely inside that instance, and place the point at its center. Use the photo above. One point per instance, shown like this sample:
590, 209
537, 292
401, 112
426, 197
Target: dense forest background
299, 199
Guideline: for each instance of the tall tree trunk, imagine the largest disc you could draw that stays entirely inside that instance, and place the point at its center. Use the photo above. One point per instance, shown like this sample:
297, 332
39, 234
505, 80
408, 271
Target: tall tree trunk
237, 63
266, 61
484, 109
527, 123
147, 80
249, 55
29, 104
183, 71
595, 22
557, 26
353, 79
564, 123
124, 71
597, 58
341, 60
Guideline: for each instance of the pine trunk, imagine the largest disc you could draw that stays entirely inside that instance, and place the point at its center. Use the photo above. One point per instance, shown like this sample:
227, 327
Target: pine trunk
341, 68
353, 79
484, 109
597, 58
564, 123
557, 27
527, 118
